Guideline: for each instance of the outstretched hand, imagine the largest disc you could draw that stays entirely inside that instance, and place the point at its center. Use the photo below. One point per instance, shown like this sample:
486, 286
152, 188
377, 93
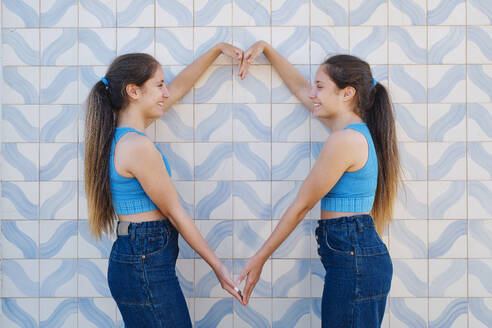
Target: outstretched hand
249, 57
232, 51
252, 270
226, 282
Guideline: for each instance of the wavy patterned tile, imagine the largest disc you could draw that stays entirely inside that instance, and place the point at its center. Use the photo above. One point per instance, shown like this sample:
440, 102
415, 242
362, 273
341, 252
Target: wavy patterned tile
97, 46
20, 239
291, 278
478, 84
218, 235
292, 43
58, 278
479, 312
319, 131
297, 244
409, 239
58, 123
207, 37
255, 88
176, 124
412, 201
479, 199
251, 200
245, 37
411, 122
20, 85
20, 278
369, 43
59, 46
20, 13
290, 12
213, 13
58, 200
58, 161
408, 84
174, 46
92, 281
186, 195
59, 85
448, 239
479, 117
413, 157
185, 271
409, 278
447, 122
20, 47
448, 312
446, 12
251, 122
329, 12
318, 273
58, 312
58, 239
19, 200
447, 278
185, 250
97, 13
251, 161
479, 239
368, 12
447, 45
88, 76
213, 313
213, 200
20, 161
214, 86
479, 44
256, 314
264, 286
290, 161
135, 13
479, 160
280, 92
479, 278
174, 13
96, 312
135, 40
283, 194
251, 12
409, 312
291, 312
407, 12
447, 161
328, 41
207, 284
88, 247
213, 122
20, 312
20, 123
180, 159
408, 45
479, 12
447, 200
213, 161
249, 236
58, 13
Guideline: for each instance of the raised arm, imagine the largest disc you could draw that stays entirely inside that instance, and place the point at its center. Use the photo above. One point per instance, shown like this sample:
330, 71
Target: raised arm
183, 82
291, 76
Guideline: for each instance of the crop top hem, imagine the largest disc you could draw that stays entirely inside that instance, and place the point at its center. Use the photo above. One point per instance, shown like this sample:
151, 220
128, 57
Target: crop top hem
356, 205
133, 206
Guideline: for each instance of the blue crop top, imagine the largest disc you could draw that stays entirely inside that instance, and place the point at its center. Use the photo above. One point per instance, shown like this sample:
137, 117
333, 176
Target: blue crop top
128, 195
355, 191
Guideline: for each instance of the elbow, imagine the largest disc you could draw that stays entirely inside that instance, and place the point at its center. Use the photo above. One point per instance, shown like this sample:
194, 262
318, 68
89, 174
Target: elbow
301, 209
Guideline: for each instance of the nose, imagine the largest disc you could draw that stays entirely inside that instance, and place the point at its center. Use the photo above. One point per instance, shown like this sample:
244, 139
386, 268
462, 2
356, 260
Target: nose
312, 93
165, 92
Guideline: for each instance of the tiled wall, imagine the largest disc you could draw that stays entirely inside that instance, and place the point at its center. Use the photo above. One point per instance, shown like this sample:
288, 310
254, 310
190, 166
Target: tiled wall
240, 150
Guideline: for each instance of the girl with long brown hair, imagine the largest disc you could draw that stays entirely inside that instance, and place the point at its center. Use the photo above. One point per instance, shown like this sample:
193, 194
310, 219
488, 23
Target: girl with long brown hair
356, 177
128, 178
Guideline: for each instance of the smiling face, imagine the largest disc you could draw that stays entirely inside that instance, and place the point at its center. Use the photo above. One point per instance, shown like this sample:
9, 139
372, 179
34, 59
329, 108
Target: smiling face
154, 94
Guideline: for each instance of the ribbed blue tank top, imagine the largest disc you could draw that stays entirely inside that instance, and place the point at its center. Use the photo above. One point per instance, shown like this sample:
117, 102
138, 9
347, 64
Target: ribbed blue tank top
355, 191
128, 195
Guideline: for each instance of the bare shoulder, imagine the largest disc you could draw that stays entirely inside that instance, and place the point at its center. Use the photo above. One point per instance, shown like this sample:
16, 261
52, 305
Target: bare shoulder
347, 138
134, 150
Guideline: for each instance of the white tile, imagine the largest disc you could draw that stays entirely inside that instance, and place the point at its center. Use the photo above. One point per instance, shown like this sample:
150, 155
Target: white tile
249, 236
51, 15
479, 273
323, 14
59, 85
218, 235
368, 13
214, 86
251, 122
131, 40
448, 239
479, 245
58, 278
20, 278
477, 90
410, 278
447, 161
174, 46
213, 122
251, 200
447, 83
58, 200
405, 310
408, 239
328, 41
20, 47
213, 13
440, 309
445, 13
286, 12
102, 16
213, 200
400, 15
213, 161
247, 14
58, 239
92, 278
207, 284
292, 43
97, 46
11, 17
447, 45
408, 45
408, 84
20, 161
137, 16
59, 46
221, 307
19, 200
369, 43
447, 200
13, 93
251, 161
411, 202
49, 307
447, 278
106, 307
255, 88
291, 278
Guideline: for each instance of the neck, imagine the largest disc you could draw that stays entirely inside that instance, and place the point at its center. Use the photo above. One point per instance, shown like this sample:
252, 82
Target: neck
133, 118
338, 122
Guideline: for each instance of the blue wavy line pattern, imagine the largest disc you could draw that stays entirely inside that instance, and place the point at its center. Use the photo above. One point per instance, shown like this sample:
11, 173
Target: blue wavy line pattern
53, 204
295, 119
21, 240
250, 316
178, 11
439, 14
20, 85
452, 274
175, 48
480, 79
247, 234
222, 34
406, 315
448, 159
52, 92
412, 164
217, 197
19, 277
294, 42
94, 275
281, 205
177, 126
256, 87
24, 11
480, 311
406, 82
259, 166
16, 196
336, 12
207, 14
51, 247
139, 43
21, 125
132, 12
406, 237
185, 251
12, 311
449, 315
256, 10
375, 40
186, 285
289, 163
213, 122
326, 41
281, 93
63, 156
178, 164
16, 159
220, 232
483, 272
362, 14
249, 196
413, 284
297, 237
480, 156
21, 48
103, 245
451, 119
448, 81
94, 314
483, 6
97, 46
412, 128
288, 9
447, 238
220, 75
441, 204
210, 165
412, 10
54, 14
244, 114
481, 193
216, 314
408, 45
60, 314
97, 8
286, 281
294, 313
55, 49
64, 273
53, 127
482, 40
480, 233
451, 41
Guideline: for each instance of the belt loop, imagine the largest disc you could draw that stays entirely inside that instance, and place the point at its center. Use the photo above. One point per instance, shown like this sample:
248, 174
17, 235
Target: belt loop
359, 224
133, 231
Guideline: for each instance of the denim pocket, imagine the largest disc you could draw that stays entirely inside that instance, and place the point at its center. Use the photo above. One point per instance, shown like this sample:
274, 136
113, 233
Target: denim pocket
337, 243
155, 243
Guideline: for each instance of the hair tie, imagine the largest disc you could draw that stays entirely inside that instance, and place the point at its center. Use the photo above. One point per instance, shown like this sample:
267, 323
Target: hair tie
105, 81
374, 81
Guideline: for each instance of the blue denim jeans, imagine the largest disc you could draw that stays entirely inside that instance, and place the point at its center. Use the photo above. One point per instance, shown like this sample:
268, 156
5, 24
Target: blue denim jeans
142, 276
358, 272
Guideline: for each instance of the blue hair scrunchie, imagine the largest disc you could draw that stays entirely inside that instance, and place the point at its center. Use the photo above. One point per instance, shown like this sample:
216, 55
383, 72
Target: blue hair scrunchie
105, 81
374, 81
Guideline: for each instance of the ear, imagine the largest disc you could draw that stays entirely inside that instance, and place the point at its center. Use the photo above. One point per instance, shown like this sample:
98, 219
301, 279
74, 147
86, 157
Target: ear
133, 91
348, 93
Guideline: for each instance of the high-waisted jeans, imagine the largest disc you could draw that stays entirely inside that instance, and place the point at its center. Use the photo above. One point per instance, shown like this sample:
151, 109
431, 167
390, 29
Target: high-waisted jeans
142, 277
358, 272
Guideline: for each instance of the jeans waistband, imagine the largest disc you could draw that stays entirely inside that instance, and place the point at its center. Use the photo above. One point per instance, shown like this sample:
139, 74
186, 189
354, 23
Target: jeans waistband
352, 222
125, 228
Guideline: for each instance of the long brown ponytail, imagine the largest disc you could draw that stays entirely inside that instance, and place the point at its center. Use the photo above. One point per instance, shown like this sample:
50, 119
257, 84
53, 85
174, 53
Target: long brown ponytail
374, 106
103, 104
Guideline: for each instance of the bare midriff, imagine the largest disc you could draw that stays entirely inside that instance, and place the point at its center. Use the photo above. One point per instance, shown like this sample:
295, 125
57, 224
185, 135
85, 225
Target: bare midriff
333, 215
154, 215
